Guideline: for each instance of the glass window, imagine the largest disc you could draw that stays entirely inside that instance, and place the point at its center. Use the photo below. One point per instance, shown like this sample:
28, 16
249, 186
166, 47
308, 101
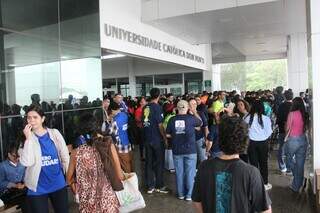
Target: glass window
55, 63
27, 73
123, 86
109, 86
80, 51
168, 79
193, 82
143, 85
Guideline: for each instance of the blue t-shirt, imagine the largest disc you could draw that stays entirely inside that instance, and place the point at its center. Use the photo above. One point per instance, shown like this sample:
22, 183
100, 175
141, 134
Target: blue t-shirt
10, 174
201, 134
51, 177
121, 125
182, 130
151, 118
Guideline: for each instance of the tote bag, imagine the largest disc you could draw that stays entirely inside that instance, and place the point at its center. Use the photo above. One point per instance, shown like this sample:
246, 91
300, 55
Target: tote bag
130, 198
168, 163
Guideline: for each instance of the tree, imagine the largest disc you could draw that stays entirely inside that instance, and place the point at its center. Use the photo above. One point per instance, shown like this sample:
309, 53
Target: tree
254, 75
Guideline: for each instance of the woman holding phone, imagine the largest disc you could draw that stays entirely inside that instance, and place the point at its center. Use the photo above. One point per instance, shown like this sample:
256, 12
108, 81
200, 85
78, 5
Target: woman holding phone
46, 158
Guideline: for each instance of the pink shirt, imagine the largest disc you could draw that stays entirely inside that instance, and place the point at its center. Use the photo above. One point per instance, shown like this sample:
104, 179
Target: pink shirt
295, 122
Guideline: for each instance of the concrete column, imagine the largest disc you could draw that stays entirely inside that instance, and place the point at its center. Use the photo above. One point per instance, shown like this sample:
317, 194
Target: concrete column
214, 76
216, 71
314, 83
132, 78
297, 62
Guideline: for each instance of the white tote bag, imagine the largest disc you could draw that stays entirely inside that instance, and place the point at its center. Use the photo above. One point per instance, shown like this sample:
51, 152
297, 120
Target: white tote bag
130, 198
168, 163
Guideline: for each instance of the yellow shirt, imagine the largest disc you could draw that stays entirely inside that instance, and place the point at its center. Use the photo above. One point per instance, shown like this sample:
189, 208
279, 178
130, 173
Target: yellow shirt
217, 106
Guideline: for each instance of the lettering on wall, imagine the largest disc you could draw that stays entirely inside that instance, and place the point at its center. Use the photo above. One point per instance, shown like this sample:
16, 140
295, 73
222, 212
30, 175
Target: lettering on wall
121, 34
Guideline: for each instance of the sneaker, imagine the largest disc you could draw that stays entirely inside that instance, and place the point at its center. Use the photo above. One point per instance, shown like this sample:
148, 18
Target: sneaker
172, 170
283, 171
291, 188
163, 190
181, 198
267, 186
150, 191
188, 199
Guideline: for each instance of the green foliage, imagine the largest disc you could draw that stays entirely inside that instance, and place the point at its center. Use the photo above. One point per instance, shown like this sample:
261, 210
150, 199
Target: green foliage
254, 75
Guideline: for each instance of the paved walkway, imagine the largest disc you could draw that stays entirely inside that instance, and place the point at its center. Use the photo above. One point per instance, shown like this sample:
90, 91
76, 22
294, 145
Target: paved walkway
283, 200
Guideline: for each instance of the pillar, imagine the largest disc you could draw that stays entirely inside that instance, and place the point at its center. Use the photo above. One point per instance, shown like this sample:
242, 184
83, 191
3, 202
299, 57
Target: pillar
212, 78
314, 83
297, 62
132, 78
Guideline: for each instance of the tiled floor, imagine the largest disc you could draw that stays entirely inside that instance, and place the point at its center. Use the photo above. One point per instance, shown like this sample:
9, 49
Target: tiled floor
283, 200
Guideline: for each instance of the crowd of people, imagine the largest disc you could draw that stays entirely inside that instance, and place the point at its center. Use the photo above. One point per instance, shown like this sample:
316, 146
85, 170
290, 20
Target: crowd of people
219, 144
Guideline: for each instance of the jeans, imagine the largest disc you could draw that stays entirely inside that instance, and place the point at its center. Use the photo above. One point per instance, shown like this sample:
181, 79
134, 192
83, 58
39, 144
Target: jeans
296, 149
201, 152
258, 157
59, 200
154, 165
185, 166
281, 152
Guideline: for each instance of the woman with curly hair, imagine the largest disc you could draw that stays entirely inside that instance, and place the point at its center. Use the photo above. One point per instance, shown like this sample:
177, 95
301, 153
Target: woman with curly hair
87, 174
226, 183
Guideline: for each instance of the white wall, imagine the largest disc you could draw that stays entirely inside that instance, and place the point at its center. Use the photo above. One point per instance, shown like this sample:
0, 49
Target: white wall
126, 14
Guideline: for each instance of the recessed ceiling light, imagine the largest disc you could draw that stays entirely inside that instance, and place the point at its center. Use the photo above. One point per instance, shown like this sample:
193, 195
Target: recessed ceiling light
12, 65
112, 56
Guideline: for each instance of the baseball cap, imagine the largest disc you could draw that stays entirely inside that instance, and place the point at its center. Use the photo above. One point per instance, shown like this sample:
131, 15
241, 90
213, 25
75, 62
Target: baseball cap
183, 105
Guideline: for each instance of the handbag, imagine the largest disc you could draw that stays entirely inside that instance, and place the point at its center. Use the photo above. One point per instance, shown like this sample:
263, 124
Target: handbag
168, 163
130, 198
104, 149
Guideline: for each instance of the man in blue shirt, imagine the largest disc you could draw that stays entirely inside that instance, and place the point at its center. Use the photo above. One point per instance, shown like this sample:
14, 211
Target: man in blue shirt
181, 129
11, 178
119, 132
155, 140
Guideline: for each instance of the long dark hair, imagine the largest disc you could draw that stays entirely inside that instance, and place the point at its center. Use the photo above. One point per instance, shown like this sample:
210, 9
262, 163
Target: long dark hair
298, 105
256, 108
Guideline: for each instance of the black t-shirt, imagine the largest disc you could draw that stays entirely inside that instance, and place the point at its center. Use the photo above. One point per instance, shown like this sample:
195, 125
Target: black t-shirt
201, 133
282, 115
229, 186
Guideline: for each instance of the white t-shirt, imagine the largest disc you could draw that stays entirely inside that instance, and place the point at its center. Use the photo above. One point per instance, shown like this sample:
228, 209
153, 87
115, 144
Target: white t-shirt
256, 131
